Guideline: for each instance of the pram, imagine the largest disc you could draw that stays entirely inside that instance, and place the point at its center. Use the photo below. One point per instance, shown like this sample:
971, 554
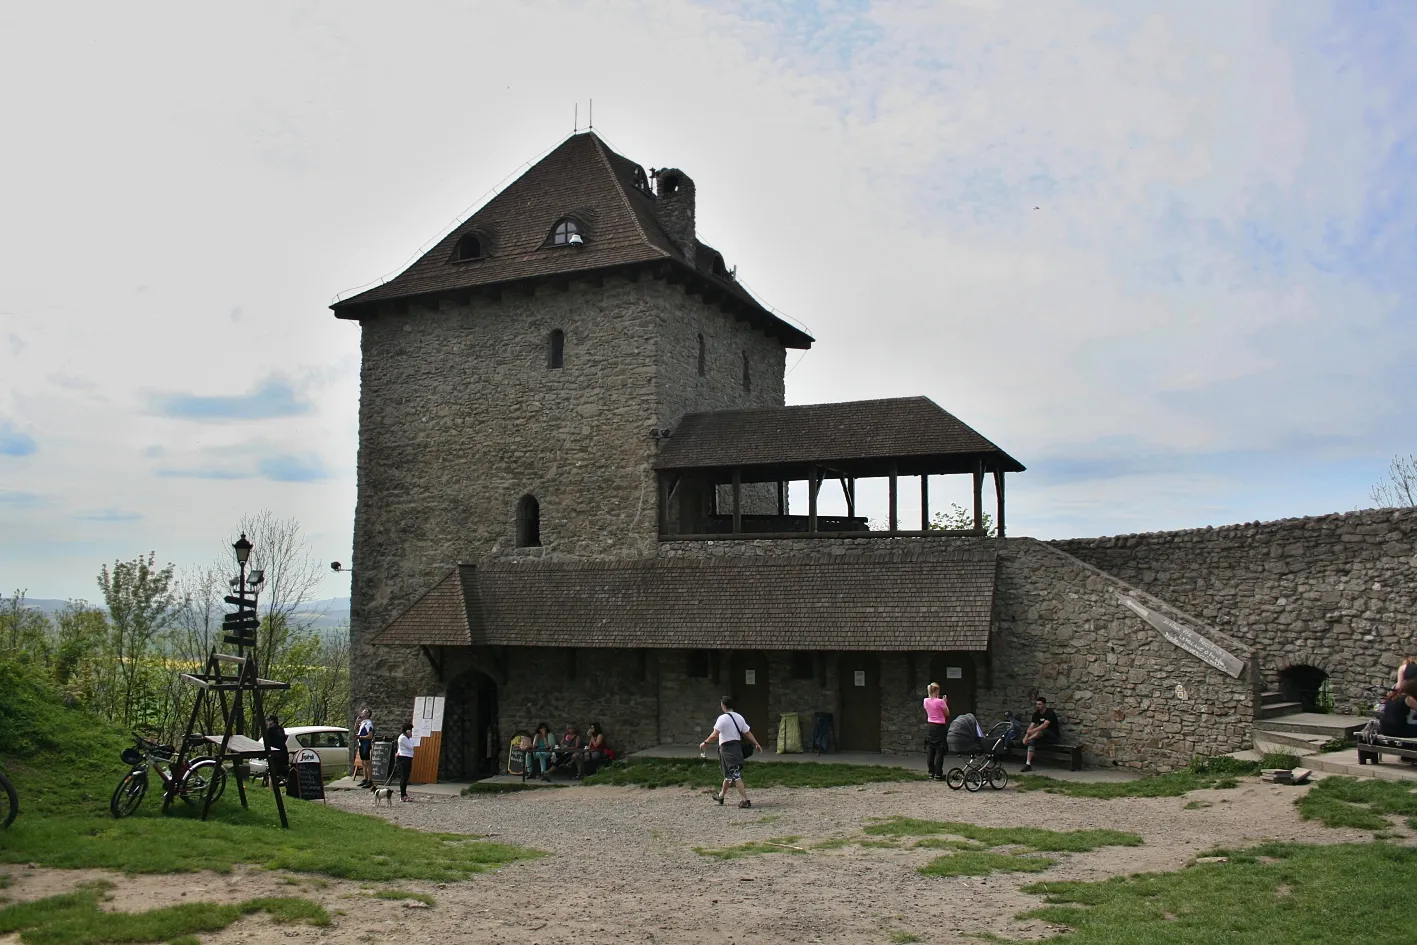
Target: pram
987, 754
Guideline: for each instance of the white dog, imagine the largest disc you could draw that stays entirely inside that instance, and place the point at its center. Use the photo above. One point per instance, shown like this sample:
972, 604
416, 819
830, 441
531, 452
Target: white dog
385, 794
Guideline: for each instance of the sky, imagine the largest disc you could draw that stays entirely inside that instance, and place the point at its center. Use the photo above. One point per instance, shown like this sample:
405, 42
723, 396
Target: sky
1162, 253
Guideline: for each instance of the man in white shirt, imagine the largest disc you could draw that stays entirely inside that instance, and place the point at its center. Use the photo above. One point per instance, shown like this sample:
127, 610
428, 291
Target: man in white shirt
730, 731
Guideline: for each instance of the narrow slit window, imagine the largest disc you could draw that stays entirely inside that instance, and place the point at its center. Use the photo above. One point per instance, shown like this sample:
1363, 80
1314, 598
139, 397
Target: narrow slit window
747, 373
528, 522
701, 355
556, 349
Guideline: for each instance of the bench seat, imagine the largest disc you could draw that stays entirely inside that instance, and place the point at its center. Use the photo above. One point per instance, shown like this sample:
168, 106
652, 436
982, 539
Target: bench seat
1063, 750
1371, 748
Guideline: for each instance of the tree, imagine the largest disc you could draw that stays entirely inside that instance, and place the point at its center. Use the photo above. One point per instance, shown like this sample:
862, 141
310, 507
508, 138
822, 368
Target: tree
959, 518
1399, 490
140, 607
80, 631
24, 631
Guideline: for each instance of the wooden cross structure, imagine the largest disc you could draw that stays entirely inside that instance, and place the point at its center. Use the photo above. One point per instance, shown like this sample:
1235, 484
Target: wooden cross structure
229, 691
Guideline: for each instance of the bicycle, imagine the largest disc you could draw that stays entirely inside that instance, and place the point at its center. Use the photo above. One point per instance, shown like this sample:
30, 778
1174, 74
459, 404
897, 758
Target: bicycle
12, 802
190, 783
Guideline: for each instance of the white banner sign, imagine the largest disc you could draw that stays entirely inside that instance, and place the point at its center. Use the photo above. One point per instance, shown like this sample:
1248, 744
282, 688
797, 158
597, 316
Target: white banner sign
1187, 639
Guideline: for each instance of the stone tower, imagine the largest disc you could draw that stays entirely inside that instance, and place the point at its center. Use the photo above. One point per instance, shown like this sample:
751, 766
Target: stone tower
518, 378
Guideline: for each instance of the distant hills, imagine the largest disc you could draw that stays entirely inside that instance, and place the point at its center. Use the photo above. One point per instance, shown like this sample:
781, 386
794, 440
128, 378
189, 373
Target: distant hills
322, 615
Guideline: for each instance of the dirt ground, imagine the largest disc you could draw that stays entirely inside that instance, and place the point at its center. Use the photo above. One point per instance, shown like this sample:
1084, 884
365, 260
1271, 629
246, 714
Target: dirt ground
623, 867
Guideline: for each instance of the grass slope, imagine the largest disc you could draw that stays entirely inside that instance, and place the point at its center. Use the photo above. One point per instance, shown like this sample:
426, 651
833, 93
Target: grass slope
1201, 773
704, 773
1318, 895
1363, 804
76, 919
65, 765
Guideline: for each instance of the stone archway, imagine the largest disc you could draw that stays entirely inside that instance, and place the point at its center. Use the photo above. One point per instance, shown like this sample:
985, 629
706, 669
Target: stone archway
471, 739
1308, 686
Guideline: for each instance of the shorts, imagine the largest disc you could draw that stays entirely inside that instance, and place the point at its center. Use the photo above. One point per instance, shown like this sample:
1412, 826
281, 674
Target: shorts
364, 751
730, 760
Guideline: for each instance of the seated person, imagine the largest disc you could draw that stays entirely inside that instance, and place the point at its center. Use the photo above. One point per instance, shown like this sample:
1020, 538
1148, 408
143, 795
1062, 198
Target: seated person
565, 755
595, 749
1397, 710
542, 744
1044, 727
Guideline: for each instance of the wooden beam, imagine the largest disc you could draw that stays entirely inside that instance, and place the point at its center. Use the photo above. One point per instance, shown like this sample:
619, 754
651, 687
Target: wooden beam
999, 495
924, 502
737, 502
979, 496
895, 525
781, 497
663, 504
812, 484
851, 498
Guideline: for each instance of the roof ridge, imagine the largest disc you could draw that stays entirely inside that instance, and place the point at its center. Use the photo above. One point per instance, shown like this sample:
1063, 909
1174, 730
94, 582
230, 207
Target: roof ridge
600, 149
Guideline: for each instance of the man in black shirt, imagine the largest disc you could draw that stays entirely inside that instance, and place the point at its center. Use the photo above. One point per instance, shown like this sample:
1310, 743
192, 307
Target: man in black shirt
1042, 727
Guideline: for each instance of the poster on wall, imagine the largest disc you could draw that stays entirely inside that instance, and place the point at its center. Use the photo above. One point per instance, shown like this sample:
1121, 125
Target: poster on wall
427, 738
860, 677
954, 672
750, 677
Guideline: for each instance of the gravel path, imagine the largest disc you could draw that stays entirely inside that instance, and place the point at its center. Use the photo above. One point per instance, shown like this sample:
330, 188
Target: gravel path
623, 866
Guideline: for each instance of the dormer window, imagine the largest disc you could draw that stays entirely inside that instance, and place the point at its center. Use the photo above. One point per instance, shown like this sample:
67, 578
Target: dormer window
567, 232
719, 269
641, 182
469, 246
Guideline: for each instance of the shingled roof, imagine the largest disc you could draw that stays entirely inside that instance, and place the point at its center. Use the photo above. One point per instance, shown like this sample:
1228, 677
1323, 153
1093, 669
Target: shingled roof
584, 179
854, 431
871, 601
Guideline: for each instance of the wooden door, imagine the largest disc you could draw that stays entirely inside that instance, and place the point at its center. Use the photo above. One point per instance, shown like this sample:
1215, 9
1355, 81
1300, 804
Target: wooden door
955, 674
750, 691
860, 722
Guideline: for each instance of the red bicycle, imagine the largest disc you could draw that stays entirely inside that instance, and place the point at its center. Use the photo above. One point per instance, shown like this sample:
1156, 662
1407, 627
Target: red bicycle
189, 783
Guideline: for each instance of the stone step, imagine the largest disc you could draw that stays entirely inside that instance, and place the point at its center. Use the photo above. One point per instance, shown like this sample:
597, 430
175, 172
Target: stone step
1274, 709
1286, 744
1313, 723
1346, 763
1270, 698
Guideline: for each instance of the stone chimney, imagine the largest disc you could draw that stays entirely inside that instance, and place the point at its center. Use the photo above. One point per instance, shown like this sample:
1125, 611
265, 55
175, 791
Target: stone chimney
675, 205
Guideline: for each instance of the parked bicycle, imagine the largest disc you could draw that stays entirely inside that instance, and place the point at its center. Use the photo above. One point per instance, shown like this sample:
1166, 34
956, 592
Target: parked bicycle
12, 802
189, 783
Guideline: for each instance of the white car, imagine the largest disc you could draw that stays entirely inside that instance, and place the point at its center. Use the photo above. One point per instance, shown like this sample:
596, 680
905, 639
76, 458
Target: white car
330, 741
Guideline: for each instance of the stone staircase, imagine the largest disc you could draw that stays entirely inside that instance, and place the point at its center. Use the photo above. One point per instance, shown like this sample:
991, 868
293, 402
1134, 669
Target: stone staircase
1285, 727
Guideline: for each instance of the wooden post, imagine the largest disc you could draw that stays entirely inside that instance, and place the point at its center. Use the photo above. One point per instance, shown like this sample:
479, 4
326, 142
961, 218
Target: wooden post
737, 501
924, 502
851, 497
999, 495
894, 524
979, 496
812, 500
781, 497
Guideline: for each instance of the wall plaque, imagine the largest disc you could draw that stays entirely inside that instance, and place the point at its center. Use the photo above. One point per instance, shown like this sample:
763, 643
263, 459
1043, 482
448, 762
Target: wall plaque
750, 677
1187, 639
954, 672
860, 677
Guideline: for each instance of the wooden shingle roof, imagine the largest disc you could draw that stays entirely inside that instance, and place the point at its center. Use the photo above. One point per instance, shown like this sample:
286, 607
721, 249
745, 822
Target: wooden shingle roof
584, 179
869, 601
861, 430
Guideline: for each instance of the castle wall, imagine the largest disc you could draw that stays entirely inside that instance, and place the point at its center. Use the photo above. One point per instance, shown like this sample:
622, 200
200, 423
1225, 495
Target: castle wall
1337, 592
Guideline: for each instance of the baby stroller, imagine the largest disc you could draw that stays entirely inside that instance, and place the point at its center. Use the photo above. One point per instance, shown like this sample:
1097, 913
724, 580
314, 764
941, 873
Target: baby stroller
986, 761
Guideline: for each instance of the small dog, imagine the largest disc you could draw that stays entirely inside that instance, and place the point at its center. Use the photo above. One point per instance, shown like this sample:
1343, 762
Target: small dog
385, 794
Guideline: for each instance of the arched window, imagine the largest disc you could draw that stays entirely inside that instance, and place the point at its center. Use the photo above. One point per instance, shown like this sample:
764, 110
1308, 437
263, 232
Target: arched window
747, 373
469, 246
701, 355
719, 269
556, 349
528, 522
567, 232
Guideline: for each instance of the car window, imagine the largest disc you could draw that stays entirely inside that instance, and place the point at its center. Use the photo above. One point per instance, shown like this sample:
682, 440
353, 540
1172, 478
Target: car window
325, 740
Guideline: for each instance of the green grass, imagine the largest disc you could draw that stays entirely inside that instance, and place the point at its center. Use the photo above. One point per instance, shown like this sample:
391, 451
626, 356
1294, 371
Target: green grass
1359, 803
1201, 773
1339, 743
424, 898
1279, 759
1319, 895
1048, 841
65, 765
753, 848
985, 862
704, 773
1197, 805
76, 919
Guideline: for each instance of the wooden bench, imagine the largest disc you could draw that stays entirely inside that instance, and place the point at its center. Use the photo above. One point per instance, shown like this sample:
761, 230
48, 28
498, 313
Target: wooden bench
1371, 752
1062, 749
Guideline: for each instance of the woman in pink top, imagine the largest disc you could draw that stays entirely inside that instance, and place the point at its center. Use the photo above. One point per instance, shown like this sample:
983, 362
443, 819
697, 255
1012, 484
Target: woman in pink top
937, 715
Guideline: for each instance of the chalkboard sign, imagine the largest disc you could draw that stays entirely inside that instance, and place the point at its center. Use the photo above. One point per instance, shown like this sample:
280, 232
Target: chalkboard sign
379, 756
309, 775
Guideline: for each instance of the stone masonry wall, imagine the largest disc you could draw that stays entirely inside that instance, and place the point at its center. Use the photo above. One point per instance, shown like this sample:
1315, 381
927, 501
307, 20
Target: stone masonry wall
1127, 694
1337, 592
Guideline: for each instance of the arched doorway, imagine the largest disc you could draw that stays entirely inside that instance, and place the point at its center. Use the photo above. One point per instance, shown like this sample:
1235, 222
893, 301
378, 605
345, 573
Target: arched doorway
1306, 685
472, 743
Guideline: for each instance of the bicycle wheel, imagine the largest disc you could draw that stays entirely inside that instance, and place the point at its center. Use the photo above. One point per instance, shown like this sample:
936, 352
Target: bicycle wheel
998, 778
129, 793
973, 780
199, 775
955, 778
12, 802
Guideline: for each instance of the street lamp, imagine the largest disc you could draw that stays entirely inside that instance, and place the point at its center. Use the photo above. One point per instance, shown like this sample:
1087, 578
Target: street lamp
243, 550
